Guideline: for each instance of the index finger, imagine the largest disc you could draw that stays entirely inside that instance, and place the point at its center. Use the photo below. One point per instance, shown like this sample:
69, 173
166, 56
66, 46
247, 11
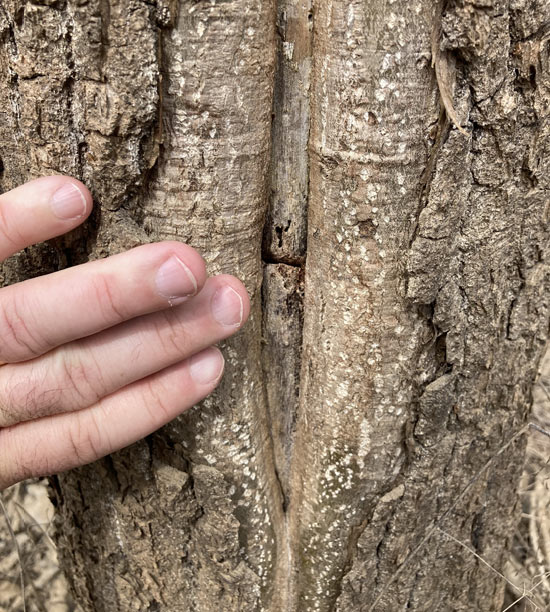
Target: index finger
41, 209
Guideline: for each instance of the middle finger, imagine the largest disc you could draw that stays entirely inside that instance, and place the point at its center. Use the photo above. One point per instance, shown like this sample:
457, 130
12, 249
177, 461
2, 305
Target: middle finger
41, 313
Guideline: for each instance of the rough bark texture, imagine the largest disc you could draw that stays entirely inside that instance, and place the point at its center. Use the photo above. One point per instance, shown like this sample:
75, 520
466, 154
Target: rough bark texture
424, 303
390, 353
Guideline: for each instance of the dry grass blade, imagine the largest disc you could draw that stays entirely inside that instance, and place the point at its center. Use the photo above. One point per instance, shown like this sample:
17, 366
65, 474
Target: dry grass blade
529, 558
21, 508
495, 571
531, 591
445, 514
16, 544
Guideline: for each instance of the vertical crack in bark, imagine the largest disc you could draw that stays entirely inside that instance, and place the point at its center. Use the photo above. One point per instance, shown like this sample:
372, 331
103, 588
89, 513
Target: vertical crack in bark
445, 69
284, 252
285, 229
68, 89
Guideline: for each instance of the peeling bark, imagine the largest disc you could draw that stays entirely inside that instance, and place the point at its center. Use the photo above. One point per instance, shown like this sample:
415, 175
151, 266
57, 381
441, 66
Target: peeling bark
364, 436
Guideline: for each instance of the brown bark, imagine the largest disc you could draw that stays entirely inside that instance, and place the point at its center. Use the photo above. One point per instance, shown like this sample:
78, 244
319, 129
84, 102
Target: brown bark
420, 286
363, 425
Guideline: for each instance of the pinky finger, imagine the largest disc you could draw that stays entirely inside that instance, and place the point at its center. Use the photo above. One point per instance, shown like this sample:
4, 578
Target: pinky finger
64, 441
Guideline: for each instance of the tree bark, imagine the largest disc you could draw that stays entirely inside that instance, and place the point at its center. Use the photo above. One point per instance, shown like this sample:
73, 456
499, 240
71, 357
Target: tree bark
377, 173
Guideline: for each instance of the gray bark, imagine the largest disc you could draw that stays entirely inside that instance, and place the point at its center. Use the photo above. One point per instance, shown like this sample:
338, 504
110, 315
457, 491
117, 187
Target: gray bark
377, 174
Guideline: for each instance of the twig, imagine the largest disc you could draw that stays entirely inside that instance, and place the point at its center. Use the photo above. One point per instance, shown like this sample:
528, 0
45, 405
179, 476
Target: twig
539, 429
524, 596
516, 601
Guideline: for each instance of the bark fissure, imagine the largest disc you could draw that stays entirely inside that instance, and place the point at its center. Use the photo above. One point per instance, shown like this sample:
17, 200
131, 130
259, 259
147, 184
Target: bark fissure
284, 253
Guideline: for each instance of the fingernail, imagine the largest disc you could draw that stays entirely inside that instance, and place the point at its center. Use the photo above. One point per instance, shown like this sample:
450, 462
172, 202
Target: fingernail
68, 202
227, 306
206, 367
175, 281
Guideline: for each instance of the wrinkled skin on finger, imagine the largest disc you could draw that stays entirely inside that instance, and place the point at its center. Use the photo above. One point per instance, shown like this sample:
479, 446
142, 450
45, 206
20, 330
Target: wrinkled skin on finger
100, 355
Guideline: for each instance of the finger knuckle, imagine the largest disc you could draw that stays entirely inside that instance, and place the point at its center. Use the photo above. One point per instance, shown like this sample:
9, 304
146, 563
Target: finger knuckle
159, 408
9, 233
173, 336
6, 416
19, 339
80, 377
19, 460
108, 300
83, 437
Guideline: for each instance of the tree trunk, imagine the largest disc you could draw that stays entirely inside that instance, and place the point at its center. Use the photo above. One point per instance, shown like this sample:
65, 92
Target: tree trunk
377, 173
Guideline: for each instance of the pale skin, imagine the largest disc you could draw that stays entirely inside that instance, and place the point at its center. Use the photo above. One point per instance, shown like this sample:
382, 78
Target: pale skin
100, 355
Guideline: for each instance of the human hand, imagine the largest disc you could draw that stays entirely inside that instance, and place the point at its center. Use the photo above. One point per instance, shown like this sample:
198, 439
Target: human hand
95, 358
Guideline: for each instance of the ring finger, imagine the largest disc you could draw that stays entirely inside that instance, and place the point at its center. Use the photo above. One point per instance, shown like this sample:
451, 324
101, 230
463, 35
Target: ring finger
63, 441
